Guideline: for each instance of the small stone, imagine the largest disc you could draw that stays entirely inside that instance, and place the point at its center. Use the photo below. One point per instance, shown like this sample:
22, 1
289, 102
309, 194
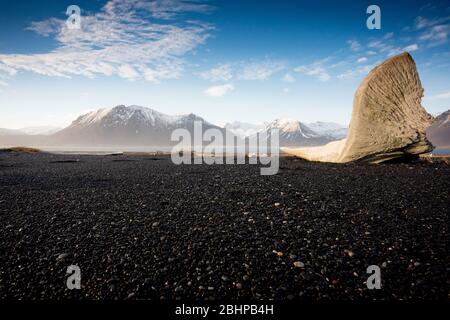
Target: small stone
239, 286
178, 289
62, 256
299, 264
277, 204
155, 224
225, 278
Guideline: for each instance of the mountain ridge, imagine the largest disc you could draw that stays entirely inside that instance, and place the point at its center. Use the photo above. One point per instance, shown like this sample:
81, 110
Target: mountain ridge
137, 125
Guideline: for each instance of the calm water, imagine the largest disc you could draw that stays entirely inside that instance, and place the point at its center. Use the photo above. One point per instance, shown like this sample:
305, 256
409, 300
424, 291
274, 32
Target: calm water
118, 149
441, 151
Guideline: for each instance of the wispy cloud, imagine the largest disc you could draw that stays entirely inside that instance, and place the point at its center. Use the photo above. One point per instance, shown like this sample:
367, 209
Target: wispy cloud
288, 78
354, 45
222, 72
358, 71
122, 39
260, 70
243, 70
440, 96
315, 70
422, 23
436, 35
219, 91
361, 60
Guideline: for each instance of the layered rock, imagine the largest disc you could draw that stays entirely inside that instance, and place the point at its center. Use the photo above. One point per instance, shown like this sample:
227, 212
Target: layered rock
388, 121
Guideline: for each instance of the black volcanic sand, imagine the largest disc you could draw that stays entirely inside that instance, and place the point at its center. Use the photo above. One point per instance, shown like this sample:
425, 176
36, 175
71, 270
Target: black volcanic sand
141, 227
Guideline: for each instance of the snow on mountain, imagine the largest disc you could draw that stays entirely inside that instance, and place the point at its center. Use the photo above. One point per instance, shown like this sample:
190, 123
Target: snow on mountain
292, 128
292, 132
244, 129
295, 133
134, 125
141, 126
42, 130
125, 115
331, 129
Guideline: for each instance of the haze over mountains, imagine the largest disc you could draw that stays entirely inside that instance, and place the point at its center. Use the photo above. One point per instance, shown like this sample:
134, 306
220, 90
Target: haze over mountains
140, 126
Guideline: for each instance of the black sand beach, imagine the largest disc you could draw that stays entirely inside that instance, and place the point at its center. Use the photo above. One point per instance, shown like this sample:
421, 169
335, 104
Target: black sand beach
140, 227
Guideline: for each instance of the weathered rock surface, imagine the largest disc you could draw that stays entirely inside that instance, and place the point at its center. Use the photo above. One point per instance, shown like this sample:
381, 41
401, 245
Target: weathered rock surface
388, 121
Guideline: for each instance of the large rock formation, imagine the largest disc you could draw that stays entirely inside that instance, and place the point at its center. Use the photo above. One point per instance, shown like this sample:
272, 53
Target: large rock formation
388, 121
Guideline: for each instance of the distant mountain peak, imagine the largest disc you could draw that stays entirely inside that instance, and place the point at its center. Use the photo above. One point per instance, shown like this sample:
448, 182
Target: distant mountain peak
122, 115
127, 125
286, 125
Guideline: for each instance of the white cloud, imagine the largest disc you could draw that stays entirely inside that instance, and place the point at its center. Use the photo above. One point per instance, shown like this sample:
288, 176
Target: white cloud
354, 45
440, 96
422, 23
288, 78
219, 91
243, 70
221, 72
436, 35
411, 47
362, 59
126, 71
260, 70
47, 27
315, 70
361, 70
122, 39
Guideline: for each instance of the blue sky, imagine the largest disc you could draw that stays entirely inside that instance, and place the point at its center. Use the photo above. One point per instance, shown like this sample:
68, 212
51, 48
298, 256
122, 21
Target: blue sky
224, 60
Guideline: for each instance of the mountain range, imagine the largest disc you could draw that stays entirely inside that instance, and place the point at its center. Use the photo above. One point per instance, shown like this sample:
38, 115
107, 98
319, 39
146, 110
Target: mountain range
141, 126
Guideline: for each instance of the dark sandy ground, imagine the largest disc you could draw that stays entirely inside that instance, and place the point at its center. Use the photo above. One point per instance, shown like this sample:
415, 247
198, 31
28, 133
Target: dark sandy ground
140, 227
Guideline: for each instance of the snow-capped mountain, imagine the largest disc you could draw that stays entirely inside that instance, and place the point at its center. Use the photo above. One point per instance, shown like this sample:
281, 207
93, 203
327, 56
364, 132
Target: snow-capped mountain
334, 130
244, 129
126, 125
141, 126
439, 132
294, 133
